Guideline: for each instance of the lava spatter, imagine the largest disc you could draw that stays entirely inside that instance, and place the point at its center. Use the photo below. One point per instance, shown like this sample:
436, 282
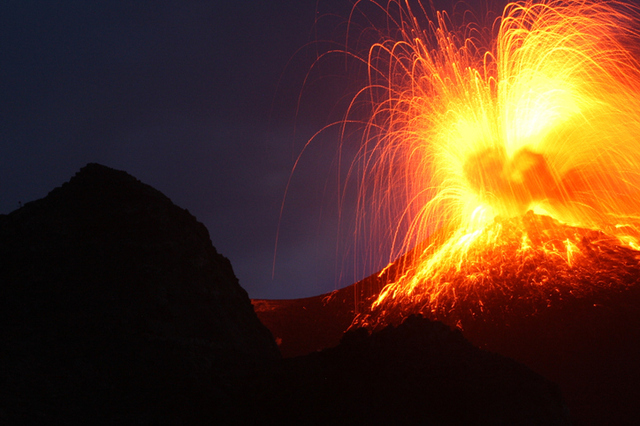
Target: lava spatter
512, 149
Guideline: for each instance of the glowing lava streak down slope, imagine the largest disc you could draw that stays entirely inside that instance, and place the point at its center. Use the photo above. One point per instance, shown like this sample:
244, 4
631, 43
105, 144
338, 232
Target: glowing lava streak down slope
465, 137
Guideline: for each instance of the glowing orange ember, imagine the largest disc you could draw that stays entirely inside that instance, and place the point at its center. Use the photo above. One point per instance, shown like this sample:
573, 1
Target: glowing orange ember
472, 128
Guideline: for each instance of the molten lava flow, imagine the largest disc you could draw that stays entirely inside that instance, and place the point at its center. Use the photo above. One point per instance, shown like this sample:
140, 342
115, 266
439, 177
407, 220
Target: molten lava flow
472, 129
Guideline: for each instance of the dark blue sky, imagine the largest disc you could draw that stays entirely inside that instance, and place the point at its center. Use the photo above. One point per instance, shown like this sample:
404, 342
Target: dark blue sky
198, 99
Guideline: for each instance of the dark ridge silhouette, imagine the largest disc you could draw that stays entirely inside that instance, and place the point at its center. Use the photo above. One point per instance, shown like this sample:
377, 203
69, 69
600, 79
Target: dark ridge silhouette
116, 309
113, 298
420, 372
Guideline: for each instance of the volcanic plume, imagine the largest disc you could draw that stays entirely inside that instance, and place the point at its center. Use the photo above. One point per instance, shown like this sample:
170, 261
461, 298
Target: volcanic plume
504, 158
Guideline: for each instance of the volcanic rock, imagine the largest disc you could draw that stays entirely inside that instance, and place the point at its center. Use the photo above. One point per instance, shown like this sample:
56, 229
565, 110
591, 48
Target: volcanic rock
421, 372
114, 305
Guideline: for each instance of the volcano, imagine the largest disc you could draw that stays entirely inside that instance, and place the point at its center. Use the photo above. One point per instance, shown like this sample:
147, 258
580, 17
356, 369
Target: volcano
572, 315
499, 163
116, 308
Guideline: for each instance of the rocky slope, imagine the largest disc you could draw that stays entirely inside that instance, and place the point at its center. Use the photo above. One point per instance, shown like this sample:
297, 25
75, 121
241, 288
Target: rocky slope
419, 373
112, 296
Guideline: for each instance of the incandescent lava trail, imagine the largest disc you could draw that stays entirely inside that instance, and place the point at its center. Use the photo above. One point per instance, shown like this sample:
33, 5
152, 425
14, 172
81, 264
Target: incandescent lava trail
504, 158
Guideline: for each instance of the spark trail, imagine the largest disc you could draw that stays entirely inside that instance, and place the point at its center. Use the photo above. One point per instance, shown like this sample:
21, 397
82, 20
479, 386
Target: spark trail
474, 129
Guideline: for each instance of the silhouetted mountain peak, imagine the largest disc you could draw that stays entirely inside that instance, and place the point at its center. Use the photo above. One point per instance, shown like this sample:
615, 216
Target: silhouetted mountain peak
106, 270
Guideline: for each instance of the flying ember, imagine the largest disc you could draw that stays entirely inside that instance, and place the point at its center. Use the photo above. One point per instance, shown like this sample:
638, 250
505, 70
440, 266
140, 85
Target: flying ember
505, 159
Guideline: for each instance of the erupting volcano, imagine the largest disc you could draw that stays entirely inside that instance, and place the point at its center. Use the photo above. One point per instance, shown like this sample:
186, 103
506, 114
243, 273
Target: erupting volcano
503, 159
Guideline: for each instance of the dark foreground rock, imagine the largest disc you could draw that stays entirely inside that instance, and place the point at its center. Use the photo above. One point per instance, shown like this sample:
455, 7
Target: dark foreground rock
116, 309
421, 372
114, 303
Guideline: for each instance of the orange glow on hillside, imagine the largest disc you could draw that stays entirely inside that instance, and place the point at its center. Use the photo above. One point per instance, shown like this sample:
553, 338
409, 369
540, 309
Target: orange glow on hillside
472, 128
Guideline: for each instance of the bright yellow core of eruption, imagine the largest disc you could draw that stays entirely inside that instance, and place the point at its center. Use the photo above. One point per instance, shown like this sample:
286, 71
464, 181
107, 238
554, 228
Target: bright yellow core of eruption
544, 117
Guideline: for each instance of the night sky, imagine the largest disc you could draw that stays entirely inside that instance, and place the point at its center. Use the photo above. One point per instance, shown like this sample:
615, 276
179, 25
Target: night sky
195, 98
198, 99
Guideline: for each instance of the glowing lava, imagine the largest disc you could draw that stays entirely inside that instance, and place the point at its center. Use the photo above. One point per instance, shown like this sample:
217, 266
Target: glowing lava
472, 128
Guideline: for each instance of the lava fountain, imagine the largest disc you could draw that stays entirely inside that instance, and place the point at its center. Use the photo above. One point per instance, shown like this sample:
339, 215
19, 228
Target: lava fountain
504, 160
